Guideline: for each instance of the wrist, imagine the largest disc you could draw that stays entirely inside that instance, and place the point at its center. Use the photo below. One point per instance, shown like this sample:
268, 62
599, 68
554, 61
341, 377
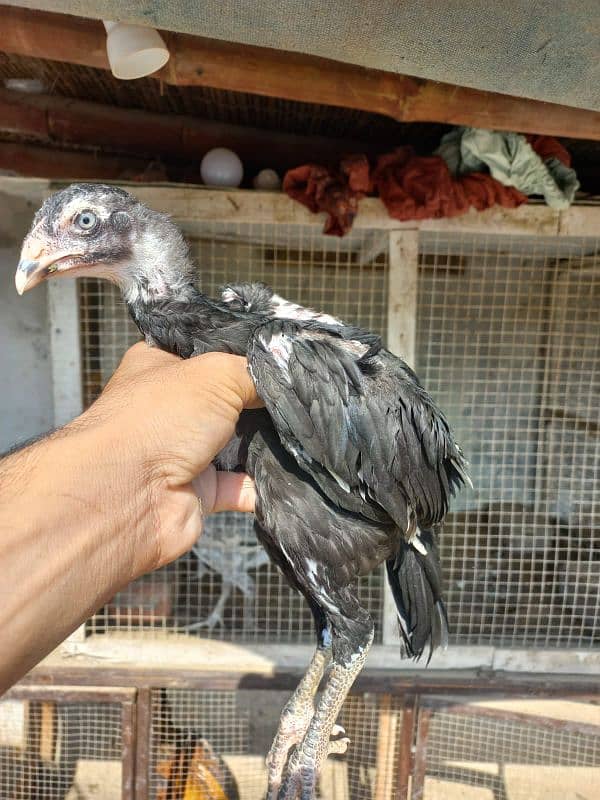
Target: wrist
117, 483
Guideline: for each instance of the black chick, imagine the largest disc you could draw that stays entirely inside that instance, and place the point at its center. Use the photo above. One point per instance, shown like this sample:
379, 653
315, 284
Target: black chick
354, 464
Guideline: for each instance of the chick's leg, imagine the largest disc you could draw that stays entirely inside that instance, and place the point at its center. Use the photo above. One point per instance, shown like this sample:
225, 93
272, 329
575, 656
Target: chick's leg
295, 718
305, 763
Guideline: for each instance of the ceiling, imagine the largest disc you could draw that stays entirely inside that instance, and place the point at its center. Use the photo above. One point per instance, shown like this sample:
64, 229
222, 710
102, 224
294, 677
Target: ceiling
544, 49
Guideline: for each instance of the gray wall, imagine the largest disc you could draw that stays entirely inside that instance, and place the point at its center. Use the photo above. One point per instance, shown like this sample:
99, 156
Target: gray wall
26, 406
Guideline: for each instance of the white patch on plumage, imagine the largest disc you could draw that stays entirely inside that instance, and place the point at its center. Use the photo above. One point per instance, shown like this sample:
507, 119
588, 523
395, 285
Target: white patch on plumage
417, 543
340, 481
311, 570
228, 295
284, 309
280, 348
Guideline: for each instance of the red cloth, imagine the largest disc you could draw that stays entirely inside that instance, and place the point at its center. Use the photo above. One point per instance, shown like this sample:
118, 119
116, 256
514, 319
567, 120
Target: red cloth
548, 147
414, 187
410, 186
336, 193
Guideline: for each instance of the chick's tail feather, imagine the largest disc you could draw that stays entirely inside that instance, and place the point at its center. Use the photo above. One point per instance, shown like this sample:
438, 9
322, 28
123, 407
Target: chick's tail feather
416, 582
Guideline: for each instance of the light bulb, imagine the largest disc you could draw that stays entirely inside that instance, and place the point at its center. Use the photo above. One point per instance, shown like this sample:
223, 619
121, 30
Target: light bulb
134, 51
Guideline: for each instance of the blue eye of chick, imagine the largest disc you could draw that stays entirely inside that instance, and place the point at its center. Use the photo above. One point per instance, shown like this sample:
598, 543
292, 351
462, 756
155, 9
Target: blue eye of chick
86, 220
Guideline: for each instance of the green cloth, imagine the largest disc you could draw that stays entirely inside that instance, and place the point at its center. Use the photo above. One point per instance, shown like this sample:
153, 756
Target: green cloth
510, 160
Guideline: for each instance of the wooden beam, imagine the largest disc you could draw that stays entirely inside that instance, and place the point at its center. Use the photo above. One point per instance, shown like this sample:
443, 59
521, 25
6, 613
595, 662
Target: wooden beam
196, 61
33, 161
171, 136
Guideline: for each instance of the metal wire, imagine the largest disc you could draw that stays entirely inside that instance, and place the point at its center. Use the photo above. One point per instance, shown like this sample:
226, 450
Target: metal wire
224, 588
508, 345
53, 750
490, 756
228, 735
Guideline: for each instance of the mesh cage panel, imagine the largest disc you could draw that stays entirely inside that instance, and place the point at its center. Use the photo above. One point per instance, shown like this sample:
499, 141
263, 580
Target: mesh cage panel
55, 750
489, 756
226, 587
508, 345
219, 740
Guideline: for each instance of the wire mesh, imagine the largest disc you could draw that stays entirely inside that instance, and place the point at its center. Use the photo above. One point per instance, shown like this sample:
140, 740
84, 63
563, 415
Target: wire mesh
225, 587
520, 758
219, 740
508, 344
58, 751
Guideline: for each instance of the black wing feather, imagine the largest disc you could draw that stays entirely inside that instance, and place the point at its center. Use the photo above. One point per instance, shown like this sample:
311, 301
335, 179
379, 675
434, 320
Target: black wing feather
344, 406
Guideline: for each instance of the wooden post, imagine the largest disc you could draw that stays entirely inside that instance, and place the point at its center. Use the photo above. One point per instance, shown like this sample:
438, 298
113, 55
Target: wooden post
401, 330
128, 745
405, 755
143, 733
386, 746
63, 316
420, 760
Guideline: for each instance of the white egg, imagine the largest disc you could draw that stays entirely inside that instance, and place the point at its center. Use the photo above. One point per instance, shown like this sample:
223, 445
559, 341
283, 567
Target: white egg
267, 180
221, 167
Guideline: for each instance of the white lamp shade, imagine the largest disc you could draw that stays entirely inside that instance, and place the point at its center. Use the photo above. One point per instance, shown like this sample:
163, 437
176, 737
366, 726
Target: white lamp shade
221, 167
134, 51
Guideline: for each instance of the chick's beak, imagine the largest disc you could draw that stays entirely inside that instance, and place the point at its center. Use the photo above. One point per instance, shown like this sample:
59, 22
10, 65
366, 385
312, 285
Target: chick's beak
37, 263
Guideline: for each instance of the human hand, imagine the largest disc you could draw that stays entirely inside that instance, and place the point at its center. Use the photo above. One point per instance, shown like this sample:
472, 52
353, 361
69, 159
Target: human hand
164, 420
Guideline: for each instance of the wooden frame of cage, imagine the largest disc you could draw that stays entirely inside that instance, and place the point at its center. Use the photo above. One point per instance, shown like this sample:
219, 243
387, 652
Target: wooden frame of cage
187, 204
40, 720
406, 768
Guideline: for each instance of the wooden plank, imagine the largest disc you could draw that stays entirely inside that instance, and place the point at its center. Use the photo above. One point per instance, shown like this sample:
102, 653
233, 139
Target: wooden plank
134, 651
63, 314
401, 328
387, 718
34, 161
48, 730
58, 37
402, 294
504, 715
378, 681
178, 137
128, 750
33, 713
143, 727
579, 220
405, 755
193, 203
420, 760
67, 693
196, 61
